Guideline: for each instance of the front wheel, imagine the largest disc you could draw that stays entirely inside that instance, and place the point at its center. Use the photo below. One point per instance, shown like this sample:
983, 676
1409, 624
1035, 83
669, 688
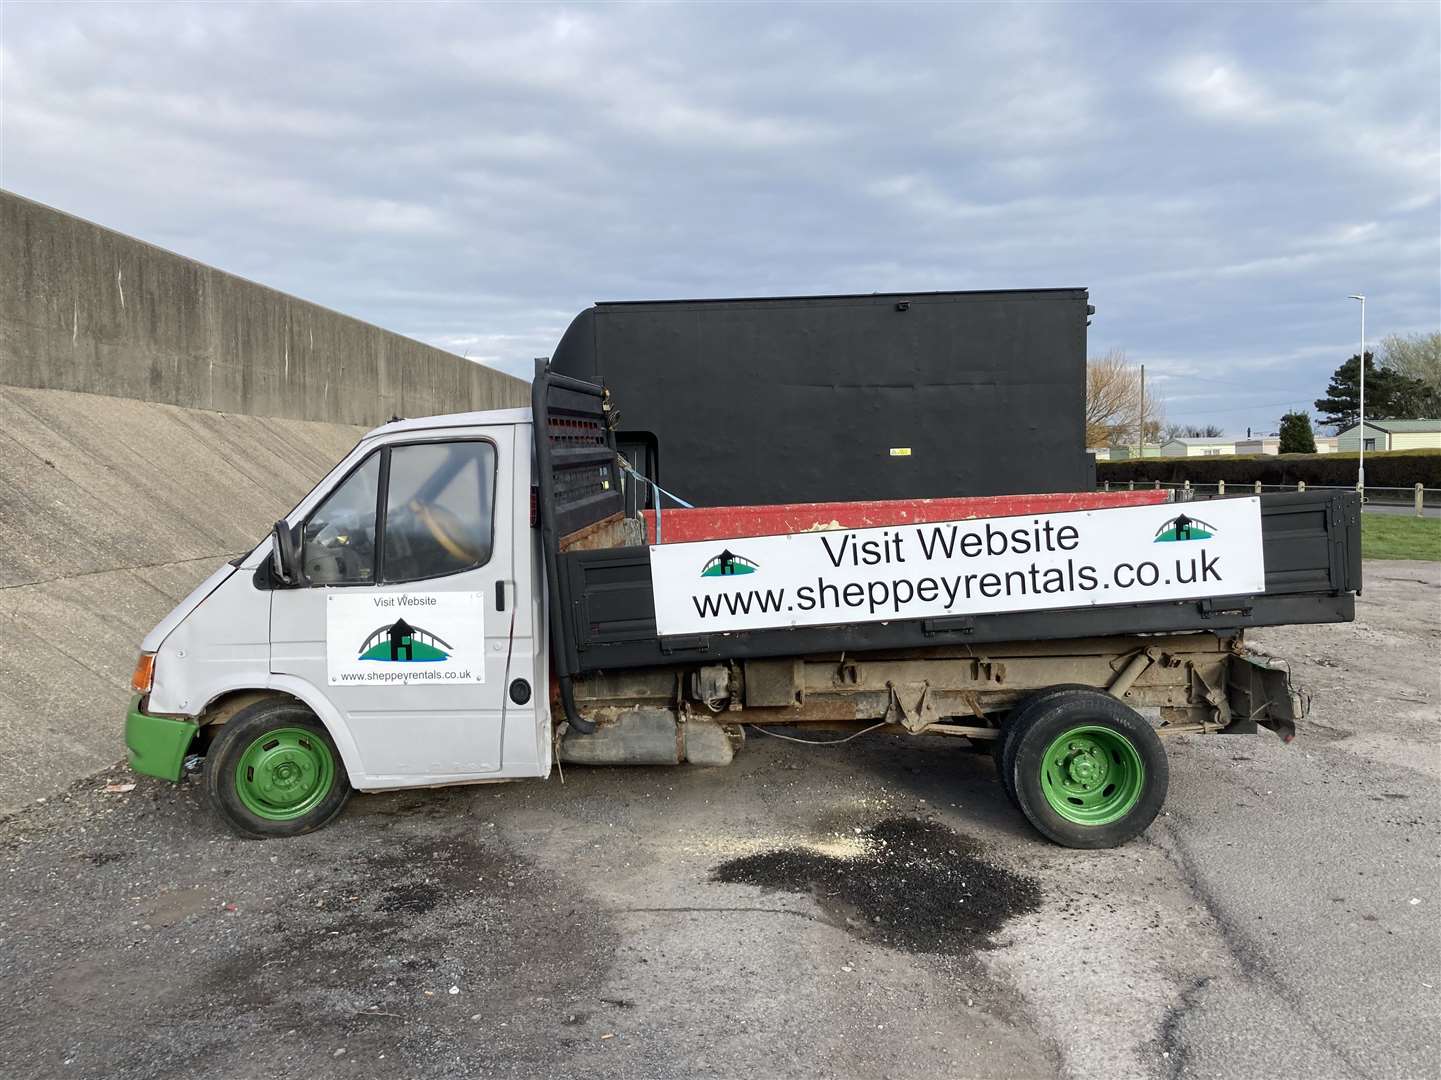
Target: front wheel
273, 770
1089, 771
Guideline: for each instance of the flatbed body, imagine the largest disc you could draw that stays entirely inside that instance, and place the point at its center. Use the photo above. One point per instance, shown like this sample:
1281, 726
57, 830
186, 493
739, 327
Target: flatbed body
603, 593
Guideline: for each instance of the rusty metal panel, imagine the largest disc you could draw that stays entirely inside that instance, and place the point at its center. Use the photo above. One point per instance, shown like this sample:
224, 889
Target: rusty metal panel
734, 522
1182, 678
774, 682
611, 532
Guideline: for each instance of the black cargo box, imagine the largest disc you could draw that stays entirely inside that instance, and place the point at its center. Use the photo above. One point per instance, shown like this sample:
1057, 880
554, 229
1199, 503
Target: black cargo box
845, 398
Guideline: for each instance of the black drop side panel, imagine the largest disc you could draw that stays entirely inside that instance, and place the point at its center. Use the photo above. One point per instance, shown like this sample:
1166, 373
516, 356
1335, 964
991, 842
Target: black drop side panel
803, 399
1311, 541
575, 452
576, 476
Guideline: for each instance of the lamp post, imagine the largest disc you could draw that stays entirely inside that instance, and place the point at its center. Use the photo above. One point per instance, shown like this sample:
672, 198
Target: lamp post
1361, 405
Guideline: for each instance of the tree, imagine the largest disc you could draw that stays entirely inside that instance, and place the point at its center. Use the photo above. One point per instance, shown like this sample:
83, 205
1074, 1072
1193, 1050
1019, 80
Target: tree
1296, 434
1114, 405
1389, 395
1416, 356
1193, 431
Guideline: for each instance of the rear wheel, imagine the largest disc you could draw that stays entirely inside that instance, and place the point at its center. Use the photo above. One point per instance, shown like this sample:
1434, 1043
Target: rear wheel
1089, 771
273, 770
1004, 750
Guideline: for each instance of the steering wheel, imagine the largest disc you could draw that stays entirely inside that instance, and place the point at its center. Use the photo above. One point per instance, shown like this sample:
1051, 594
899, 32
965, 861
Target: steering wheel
448, 530
334, 563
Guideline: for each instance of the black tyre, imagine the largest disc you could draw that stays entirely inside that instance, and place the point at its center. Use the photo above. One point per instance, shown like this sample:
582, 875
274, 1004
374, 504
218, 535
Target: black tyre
1005, 750
273, 770
997, 750
1089, 771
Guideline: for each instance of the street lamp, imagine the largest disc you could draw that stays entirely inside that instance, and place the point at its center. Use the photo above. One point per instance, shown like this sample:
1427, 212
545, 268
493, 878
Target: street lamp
1361, 404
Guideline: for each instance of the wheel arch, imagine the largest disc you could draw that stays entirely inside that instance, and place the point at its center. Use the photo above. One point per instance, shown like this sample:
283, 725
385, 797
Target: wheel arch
229, 702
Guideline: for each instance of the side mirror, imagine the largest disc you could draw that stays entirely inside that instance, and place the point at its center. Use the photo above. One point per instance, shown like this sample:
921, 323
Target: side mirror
285, 553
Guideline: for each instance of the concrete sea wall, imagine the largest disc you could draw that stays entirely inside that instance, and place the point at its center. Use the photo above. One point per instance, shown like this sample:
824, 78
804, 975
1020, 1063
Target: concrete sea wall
87, 309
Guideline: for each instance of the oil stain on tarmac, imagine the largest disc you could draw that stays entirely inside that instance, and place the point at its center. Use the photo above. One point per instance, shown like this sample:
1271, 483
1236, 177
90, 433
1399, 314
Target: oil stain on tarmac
910, 884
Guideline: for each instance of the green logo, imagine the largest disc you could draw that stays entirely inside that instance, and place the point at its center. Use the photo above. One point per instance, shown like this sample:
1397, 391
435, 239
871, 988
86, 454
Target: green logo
728, 564
1182, 527
401, 643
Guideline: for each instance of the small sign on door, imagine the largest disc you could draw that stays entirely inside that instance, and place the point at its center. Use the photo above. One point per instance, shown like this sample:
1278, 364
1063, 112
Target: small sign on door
404, 638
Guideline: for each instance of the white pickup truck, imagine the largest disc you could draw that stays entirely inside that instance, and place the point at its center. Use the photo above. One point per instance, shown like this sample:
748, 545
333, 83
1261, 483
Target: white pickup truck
463, 598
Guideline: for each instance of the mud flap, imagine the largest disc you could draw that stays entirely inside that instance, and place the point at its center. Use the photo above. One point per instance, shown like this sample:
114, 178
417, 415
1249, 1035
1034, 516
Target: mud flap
1259, 692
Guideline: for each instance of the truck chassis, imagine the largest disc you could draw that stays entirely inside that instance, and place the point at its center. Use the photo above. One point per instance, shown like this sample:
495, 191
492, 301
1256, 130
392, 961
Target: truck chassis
1182, 683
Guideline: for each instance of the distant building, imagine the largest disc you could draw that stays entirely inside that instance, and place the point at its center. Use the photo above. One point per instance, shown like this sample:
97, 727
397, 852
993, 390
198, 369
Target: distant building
1129, 453
1392, 435
1100, 453
1325, 444
1190, 447
1262, 444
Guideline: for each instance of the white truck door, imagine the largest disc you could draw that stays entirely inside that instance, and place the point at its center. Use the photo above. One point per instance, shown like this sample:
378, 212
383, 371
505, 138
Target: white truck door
410, 612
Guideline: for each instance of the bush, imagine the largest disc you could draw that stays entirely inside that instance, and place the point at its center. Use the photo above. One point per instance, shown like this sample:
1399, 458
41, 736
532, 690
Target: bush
1386, 468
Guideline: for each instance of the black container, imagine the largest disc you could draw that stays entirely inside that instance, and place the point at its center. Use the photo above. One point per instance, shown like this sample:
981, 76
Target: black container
845, 398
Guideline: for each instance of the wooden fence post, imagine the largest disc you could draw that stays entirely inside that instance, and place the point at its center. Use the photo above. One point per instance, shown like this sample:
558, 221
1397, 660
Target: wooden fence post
1300, 485
1220, 487
1258, 487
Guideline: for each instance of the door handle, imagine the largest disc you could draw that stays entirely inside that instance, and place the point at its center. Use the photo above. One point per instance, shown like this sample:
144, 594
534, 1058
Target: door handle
500, 595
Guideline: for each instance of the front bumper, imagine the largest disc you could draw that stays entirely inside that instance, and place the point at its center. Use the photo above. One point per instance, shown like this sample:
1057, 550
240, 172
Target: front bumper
157, 744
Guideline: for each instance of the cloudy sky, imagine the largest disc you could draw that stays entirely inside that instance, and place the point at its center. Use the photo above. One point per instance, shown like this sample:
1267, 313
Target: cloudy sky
1220, 176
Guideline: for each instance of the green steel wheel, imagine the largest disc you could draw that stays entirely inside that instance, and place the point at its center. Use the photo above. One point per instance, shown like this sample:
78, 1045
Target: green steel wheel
283, 774
1092, 775
1005, 750
1089, 771
273, 770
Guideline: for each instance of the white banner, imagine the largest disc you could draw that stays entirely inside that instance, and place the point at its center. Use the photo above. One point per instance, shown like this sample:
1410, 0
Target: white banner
404, 638
1125, 555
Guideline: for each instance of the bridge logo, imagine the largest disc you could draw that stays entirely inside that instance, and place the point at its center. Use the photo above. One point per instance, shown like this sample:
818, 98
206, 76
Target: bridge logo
401, 643
728, 564
1182, 527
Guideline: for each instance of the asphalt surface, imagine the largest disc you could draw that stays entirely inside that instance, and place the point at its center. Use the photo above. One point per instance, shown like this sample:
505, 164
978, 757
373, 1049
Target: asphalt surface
871, 910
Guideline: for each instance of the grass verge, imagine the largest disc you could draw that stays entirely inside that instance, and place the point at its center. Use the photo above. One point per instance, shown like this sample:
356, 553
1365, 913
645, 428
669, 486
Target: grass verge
1392, 536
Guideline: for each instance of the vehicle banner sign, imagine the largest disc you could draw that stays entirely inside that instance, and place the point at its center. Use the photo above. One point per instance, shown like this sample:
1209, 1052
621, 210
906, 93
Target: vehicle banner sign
1122, 555
404, 638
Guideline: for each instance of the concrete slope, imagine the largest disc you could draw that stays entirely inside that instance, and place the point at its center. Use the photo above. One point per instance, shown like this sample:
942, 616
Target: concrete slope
111, 510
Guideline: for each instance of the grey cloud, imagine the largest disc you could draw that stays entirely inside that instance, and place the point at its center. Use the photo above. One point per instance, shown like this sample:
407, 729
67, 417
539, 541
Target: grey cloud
1221, 176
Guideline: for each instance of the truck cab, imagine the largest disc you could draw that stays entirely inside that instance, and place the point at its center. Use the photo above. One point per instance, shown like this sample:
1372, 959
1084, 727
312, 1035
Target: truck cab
411, 622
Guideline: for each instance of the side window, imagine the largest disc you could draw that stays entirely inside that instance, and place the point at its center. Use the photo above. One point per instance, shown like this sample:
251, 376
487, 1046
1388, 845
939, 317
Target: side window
440, 502
339, 538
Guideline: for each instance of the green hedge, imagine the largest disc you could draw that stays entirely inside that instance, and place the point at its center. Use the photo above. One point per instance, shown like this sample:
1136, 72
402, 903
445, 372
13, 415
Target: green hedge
1384, 468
